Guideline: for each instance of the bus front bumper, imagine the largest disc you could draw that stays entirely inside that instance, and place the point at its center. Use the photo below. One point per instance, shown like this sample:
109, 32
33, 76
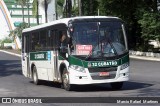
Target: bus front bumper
80, 78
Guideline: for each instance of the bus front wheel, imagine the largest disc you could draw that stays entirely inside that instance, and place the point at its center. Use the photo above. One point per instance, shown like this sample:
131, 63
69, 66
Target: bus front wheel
65, 80
116, 85
35, 76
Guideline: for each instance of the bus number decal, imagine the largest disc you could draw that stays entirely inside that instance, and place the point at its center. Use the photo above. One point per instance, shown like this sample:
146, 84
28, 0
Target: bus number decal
103, 64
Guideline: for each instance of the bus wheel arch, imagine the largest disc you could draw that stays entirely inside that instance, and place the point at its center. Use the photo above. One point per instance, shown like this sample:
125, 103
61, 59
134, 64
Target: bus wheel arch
61, 68
32, 66
35, 79
65, 78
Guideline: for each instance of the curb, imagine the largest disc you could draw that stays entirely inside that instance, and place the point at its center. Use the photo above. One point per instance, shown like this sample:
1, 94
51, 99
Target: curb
144, 55
144, 58
18, 55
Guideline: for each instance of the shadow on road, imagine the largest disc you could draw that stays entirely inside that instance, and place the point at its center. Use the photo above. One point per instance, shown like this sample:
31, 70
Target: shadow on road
131, 85
10, 67
100, 87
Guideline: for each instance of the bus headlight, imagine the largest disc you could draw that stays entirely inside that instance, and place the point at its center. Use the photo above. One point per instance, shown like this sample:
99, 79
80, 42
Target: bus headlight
125, 65
78, 68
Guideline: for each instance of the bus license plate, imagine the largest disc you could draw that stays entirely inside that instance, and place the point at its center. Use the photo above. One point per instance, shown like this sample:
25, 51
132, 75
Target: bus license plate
104, 74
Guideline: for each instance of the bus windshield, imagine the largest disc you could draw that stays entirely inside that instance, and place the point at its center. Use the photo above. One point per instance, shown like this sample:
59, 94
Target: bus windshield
99, 39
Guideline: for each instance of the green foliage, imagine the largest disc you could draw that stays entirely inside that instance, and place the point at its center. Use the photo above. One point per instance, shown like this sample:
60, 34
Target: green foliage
21, 2
141, 16
34, 9
60, 10
18, 30
150, 24
75, 11
6, 40
89, 7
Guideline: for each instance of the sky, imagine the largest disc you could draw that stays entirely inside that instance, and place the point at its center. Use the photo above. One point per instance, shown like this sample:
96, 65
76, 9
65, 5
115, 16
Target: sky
4, 29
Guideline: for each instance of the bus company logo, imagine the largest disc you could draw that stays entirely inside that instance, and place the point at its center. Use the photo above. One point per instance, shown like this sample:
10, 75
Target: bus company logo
6, 100
39, 56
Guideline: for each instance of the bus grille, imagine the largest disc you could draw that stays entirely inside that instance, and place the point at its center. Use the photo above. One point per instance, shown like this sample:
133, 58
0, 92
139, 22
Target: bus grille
94, 72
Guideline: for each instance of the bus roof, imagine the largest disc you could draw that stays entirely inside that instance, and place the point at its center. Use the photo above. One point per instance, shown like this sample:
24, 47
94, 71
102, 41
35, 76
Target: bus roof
65, 21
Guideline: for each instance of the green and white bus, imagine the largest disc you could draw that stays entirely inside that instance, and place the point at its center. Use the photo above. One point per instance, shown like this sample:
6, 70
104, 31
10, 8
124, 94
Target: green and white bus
77, 51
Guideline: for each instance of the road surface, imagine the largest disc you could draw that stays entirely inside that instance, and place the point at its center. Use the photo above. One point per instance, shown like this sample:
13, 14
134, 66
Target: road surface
144, 81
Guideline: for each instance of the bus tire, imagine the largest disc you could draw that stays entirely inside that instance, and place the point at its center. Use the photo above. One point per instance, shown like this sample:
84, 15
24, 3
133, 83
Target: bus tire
116, 85
65, 81
35, 76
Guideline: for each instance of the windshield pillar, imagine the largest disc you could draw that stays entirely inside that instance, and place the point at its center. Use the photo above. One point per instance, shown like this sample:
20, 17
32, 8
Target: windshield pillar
125, 38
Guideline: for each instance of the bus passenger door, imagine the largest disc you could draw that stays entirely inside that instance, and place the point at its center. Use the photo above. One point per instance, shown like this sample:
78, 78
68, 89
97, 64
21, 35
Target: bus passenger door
25, 56
53, 44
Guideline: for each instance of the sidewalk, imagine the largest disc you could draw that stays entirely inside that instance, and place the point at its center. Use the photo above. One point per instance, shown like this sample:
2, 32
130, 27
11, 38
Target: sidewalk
144, 55
12, 52
133, 54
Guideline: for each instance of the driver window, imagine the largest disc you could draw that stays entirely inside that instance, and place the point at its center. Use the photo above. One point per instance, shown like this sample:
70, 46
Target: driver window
63, 37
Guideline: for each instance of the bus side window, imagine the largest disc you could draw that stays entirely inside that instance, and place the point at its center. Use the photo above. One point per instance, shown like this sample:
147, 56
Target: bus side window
35, 41
63, 37
43, 40
52, 39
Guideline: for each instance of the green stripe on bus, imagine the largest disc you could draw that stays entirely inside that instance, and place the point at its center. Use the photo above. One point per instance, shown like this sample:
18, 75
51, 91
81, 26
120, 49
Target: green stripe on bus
108, 63
39, 56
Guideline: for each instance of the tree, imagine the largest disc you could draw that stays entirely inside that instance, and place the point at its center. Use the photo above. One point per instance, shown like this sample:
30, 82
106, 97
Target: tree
28, 13
150, 24
35, 10
127, 11
22, 3
60, 8
45, 4
18, 31
89, 7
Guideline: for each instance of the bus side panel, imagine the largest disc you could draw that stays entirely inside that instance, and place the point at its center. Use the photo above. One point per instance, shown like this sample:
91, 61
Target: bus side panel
46, 68
52, 71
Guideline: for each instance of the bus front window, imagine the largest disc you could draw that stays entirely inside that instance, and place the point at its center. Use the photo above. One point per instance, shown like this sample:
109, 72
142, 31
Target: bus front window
98, 39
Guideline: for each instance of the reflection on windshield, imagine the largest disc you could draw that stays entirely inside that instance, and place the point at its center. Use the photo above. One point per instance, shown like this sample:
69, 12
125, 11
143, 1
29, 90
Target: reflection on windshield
104, 38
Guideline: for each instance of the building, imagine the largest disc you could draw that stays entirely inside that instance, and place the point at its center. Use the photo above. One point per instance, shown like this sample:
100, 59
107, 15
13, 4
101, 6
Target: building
11, 15
15, 11
6, 22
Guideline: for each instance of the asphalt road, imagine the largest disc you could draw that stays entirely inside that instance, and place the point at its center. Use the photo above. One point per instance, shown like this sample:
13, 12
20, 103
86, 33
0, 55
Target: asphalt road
144, 81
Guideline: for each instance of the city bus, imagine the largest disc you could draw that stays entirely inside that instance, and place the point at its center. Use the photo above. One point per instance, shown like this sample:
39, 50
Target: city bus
77, 51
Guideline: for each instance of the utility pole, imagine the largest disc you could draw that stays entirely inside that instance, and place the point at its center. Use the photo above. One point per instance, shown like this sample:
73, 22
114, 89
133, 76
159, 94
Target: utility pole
37, 14
68, 8
56, 9
79, 6
28, 13
46, 7
91, 7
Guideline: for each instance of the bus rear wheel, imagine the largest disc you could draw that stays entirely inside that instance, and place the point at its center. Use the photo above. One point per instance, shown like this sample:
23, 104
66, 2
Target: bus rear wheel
35, 76
116, 85
65, 81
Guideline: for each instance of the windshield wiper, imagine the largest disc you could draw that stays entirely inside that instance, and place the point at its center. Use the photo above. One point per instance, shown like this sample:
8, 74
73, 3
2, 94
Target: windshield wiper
90, 53
115, 52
